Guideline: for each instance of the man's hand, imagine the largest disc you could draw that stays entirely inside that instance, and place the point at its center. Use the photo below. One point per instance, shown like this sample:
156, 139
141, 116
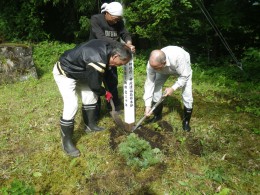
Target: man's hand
108, 96
168, 91
147, 111
132, 47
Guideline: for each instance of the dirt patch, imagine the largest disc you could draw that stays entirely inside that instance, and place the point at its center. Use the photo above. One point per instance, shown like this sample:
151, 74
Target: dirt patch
194, 145
162, 139
116, 137
155, 139
165, 126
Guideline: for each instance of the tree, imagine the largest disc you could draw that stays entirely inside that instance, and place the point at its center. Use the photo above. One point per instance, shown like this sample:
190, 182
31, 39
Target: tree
153, 23
155, 19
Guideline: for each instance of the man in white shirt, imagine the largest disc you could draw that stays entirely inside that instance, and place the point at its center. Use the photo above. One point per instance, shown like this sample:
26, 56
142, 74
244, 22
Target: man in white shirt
170, 60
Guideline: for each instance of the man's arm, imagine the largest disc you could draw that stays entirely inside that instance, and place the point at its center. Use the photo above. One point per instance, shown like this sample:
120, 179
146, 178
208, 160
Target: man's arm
94, 80
125, 36
183, 70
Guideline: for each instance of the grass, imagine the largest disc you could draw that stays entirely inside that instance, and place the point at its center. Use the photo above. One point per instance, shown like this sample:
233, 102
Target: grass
219, 156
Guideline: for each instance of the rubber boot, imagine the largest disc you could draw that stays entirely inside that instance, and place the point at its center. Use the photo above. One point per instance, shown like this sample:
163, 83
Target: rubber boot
157, 113
186, 119
90, 118
67, 128
98, 108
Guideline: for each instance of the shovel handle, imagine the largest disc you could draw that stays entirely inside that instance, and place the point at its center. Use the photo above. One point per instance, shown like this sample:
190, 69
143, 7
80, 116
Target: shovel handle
157, 103
152, 109
139, 122
111, 99
112, 104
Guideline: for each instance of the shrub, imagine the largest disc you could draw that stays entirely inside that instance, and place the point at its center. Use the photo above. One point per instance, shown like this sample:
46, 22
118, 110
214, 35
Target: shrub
46, 53
138, 152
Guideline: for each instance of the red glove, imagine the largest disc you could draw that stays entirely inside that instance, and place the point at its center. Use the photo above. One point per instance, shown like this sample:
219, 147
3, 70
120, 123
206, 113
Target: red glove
108, 96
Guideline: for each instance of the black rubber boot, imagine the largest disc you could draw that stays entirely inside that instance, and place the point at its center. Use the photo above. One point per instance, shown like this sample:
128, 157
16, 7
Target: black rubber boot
90, 118
98, 108
186, 119
157, 113
67, 128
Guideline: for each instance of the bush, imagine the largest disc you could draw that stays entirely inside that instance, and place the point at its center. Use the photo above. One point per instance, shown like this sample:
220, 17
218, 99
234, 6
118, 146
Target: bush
138, 152
46, 53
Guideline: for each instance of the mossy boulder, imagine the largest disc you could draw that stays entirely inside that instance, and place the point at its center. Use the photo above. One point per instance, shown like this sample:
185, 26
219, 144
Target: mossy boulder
16, 63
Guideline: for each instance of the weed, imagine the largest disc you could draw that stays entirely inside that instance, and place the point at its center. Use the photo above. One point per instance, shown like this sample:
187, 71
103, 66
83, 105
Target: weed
256, 131
156, 127
18, 187
216, 174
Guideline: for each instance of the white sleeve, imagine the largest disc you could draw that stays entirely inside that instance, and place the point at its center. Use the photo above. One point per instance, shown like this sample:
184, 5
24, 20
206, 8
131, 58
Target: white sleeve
183, 70
149, 85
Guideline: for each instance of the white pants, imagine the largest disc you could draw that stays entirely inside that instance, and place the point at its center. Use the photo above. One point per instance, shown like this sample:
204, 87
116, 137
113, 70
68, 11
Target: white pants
70, 89
186, 90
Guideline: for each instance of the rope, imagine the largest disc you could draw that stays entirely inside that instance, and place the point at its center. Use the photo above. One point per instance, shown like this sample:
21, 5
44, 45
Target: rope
213, 24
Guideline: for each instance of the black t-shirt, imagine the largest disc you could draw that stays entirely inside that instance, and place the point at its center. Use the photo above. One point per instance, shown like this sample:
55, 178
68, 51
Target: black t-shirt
100, 29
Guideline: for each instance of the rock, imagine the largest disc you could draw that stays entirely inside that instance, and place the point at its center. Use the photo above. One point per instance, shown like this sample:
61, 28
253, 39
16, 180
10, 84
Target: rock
16, 63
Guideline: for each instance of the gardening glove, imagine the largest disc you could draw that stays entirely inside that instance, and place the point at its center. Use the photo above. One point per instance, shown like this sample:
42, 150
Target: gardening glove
108, 96
148, 111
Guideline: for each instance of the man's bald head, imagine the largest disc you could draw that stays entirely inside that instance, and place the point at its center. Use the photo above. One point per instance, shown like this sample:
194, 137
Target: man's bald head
157, 59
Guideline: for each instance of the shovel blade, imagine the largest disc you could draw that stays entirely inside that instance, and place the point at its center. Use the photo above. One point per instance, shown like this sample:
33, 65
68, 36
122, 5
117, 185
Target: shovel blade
117, 120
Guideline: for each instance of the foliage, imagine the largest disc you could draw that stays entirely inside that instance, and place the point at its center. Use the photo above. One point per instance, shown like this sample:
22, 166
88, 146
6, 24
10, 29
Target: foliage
21, 21
224, 191
84, 23
148, 19
38, 20
138, 152
252, 55
18, 187
156, 22
216, 174
46, 54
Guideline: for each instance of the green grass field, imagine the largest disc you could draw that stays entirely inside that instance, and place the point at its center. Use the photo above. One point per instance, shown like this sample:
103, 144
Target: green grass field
221, 155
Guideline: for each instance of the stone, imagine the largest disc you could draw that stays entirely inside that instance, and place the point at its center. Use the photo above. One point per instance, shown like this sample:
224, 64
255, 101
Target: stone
16, 63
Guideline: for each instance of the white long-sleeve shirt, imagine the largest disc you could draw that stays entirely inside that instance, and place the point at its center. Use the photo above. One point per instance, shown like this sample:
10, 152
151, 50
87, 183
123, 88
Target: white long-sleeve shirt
177, 63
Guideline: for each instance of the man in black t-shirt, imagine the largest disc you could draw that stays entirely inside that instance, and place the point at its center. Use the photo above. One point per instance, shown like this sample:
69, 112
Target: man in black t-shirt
109, 26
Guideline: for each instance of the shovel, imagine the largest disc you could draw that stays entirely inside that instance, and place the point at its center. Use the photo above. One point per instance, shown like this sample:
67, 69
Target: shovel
152, 109
115, 115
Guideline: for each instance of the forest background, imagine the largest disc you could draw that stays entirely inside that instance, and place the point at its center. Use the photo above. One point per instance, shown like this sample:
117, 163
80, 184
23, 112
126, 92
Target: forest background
152, 23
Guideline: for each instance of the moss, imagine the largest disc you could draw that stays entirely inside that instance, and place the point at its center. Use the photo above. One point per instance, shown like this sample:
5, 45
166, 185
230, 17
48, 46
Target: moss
14, 45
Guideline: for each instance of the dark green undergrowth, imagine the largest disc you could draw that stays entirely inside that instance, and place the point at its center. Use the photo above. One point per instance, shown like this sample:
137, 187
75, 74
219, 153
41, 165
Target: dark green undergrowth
219, 156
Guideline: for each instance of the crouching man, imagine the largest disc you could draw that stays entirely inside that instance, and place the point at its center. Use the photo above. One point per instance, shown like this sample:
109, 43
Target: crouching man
170, 60
80, 71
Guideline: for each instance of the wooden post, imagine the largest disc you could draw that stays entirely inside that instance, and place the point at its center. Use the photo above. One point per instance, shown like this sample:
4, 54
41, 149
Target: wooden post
129, 101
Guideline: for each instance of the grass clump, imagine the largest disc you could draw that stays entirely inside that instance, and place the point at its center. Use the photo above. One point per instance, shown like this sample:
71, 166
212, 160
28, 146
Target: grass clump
139, 153
18, 187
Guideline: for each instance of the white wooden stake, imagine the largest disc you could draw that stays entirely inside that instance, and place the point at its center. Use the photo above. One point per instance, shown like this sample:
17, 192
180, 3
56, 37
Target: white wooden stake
129, 100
